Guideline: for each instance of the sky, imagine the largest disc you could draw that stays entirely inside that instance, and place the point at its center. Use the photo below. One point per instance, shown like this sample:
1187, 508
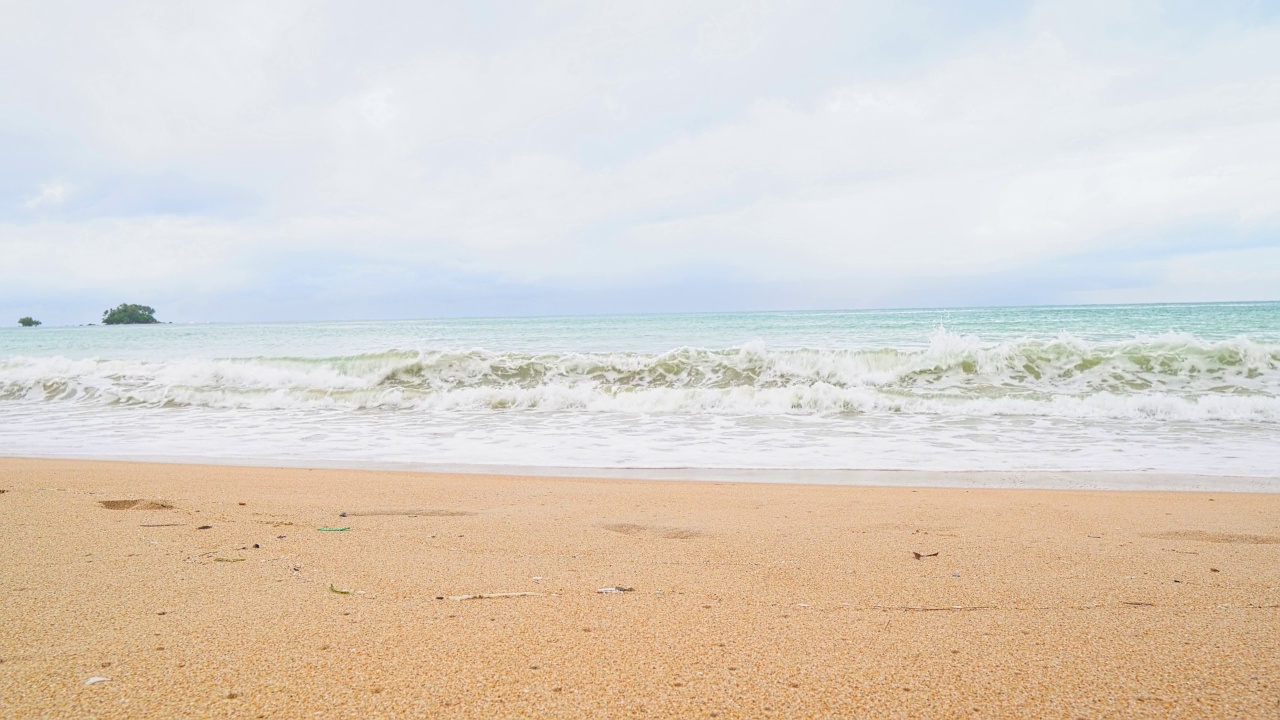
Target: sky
238, 161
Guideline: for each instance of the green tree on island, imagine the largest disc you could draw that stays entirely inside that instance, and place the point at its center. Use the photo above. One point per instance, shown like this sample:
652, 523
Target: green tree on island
130, 315
28, 321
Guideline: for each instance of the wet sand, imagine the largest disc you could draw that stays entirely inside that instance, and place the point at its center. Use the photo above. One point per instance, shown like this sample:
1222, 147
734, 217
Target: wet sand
749, 600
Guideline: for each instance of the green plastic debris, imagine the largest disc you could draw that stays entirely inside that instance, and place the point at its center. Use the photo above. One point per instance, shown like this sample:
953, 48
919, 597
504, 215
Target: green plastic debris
341, 529
336, 590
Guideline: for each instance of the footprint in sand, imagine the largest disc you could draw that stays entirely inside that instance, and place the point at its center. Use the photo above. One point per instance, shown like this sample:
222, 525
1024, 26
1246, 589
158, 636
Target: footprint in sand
1202, 536
134, 505
671, 533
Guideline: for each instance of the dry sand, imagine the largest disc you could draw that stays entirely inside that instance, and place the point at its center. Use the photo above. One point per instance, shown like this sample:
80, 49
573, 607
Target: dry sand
749, 600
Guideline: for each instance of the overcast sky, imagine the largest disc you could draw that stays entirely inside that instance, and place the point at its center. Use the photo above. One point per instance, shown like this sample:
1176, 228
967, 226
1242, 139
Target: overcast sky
308, 160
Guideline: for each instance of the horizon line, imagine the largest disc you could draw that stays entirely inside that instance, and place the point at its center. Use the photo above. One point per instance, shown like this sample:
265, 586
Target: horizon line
678, 313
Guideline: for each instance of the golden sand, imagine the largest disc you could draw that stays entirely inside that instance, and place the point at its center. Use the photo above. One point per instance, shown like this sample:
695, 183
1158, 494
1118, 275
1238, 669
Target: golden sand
748, 600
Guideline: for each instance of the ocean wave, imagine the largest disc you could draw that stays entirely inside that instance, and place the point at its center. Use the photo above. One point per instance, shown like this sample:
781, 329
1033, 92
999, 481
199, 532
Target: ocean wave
1171, 376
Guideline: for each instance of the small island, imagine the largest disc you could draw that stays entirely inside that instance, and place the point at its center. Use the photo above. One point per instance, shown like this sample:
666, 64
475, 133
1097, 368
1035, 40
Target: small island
28, 321
130, 315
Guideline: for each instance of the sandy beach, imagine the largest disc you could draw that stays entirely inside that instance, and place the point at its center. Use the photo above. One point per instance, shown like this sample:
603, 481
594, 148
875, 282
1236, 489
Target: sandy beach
200, 591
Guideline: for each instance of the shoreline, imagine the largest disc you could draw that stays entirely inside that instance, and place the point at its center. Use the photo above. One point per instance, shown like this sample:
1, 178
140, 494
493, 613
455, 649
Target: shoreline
1099, 480
748, 599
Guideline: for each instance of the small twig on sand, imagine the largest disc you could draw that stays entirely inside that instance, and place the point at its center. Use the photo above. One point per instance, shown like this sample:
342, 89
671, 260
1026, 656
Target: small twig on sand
492, 596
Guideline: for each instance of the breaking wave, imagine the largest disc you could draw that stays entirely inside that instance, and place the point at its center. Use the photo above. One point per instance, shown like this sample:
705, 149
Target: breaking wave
1172, 376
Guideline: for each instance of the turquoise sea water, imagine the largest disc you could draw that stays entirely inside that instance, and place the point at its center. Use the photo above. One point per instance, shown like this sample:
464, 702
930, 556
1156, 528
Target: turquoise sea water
1185, 388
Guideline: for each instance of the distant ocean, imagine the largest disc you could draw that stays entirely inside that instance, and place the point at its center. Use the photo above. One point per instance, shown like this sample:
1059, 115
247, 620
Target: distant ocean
1191, 388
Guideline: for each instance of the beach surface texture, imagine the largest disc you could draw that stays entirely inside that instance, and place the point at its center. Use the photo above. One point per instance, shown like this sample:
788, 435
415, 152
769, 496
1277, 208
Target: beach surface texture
147, 590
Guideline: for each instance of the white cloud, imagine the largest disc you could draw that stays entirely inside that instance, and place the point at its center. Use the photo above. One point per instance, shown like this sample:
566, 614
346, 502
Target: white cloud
735, 32
50, 195
608, 145
1247, 274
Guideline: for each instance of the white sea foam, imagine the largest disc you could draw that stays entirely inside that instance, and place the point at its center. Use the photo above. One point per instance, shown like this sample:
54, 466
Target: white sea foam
818, 391
1168, 377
